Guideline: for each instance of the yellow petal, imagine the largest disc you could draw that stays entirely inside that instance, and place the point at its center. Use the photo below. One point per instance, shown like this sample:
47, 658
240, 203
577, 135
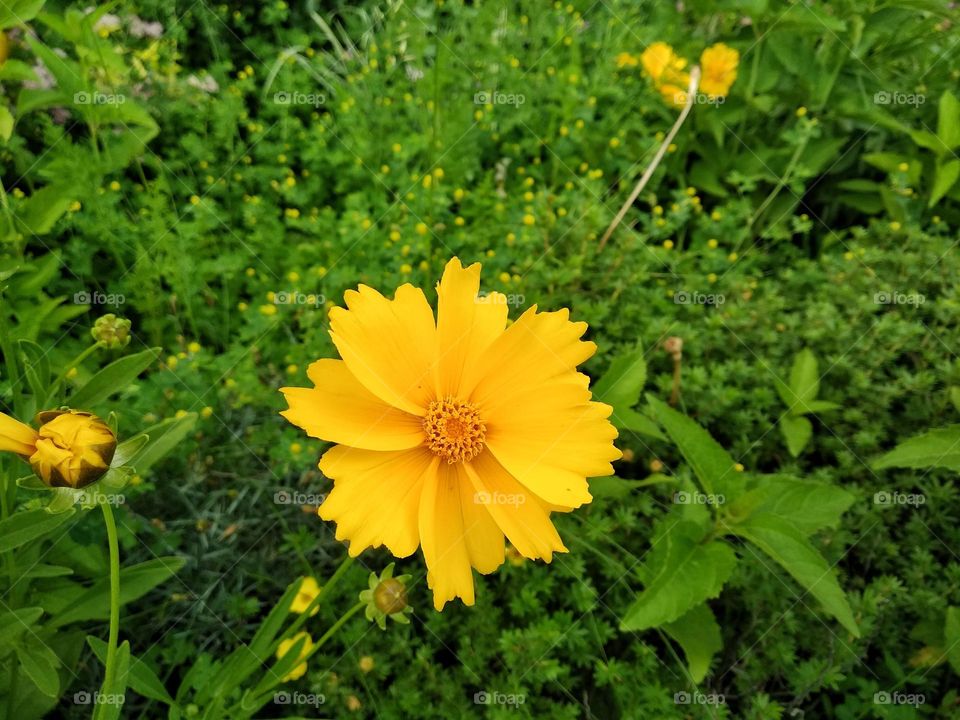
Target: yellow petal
389, 345
518, 513
536, 348
466, 325
341, 410
550, 438
483, 536
442, 535
16, 437
376, 496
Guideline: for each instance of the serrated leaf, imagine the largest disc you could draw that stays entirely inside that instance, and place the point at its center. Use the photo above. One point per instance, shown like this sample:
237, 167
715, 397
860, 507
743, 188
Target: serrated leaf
710, 462
698, 634
788, 547
805, 504
683, 574
797, 431
936, 448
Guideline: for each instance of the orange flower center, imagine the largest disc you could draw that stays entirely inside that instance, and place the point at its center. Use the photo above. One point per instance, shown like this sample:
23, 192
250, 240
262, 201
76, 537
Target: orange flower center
454, 429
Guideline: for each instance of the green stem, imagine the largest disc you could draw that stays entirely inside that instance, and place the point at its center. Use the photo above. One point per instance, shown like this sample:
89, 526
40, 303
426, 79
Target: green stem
75, 362
111, 669
325, 591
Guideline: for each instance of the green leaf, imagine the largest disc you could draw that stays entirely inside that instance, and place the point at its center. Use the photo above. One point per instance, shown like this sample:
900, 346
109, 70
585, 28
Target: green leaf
805, 377
621, 384
162, 438
135, 582
797, 431
141, 678
629, 419
951, 632
787, 545
936, 448
15, 622
698, 634
805, 504
40, 664
22, 527
113, 696
944, 177
44, 207
818, 406
6, 123
113, 378
711, 463
948, 120
955, 397
683, 574
18, 12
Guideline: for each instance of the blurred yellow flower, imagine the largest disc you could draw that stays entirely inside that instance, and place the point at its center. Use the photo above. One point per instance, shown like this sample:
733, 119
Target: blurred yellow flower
626, 60
453, 433
660, 62
286, 645
718, 64
309, 589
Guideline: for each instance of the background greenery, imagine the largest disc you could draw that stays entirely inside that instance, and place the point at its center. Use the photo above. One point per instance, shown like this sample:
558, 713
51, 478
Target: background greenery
303, 148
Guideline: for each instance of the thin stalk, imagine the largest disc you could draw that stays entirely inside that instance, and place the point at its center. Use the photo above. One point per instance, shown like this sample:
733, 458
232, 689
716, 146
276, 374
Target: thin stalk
111, 663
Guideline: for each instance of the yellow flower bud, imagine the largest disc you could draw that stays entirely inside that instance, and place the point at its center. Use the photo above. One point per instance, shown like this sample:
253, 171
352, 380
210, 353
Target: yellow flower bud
73, 448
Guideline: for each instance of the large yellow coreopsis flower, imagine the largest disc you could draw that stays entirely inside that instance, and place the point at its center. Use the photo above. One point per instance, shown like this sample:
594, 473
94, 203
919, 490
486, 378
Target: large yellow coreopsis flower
661, 63
456, 431
719, 65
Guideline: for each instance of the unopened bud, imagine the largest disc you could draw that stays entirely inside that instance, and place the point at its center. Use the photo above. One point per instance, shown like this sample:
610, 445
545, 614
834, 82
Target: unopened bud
111, 332
390, 596
73, 448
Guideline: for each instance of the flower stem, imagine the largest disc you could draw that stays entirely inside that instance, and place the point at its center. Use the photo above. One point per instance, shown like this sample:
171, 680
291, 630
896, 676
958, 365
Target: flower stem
324, 593
110, 673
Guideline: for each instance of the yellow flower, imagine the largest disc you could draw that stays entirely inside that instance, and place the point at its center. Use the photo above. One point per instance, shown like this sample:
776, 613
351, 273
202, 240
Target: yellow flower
286, 645
626, 60
453, 433
660, 62
71, 448
719, 65
309, 589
